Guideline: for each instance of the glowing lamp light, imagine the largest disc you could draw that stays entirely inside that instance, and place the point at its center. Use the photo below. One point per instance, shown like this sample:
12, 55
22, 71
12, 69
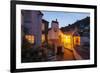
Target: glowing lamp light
30, 38
76, 40
68, 39
43, 38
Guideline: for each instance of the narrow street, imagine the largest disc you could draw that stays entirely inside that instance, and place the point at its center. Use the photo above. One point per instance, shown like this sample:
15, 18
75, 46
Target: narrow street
75, 54
67, 55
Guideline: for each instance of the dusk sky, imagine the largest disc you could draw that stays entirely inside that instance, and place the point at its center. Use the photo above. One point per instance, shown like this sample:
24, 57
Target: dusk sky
64, 18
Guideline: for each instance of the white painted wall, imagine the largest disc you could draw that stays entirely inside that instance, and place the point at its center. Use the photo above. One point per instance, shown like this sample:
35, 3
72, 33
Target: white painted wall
5, 37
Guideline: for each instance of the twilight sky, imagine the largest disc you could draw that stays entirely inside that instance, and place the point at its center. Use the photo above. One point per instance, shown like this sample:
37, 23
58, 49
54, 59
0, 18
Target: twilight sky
64, 18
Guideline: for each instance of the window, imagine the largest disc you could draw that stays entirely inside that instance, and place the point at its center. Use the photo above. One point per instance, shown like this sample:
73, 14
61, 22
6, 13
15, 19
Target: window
30, 38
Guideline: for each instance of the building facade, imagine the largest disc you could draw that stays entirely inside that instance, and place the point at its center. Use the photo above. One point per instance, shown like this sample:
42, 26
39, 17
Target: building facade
31, 26
45, 25
54, 37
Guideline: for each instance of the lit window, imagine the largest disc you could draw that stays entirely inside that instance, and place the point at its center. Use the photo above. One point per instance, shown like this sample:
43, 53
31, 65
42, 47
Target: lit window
67, 39
43, 38
76, 40
30, 38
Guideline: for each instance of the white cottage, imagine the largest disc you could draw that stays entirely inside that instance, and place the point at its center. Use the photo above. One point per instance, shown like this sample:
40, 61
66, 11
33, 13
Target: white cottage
54, 36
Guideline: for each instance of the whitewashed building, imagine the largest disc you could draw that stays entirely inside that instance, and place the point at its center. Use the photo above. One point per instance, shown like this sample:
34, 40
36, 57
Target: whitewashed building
54, 36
